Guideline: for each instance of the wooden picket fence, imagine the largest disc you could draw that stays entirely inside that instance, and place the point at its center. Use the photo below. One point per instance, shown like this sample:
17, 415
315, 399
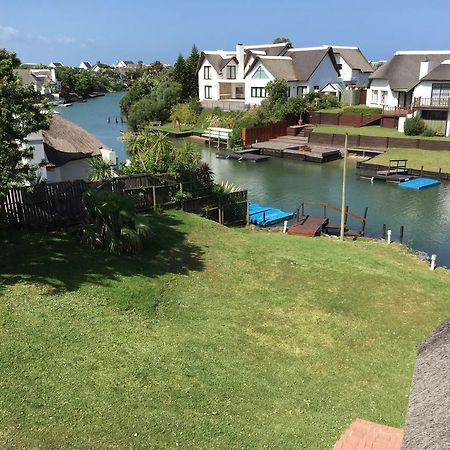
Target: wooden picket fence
56, 205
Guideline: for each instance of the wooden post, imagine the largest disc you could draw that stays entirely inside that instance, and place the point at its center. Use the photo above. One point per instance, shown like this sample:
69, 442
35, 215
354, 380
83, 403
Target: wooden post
421, 171
344, 187
154, 197
383, 233
363, 226
248, 213
402, 230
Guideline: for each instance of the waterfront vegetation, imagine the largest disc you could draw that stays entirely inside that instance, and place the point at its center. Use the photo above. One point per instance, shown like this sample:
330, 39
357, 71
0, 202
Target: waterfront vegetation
209, 338
355, 109
428, 159
373, 130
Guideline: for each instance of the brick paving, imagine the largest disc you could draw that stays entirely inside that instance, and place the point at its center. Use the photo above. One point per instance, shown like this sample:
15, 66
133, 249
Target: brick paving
364, 435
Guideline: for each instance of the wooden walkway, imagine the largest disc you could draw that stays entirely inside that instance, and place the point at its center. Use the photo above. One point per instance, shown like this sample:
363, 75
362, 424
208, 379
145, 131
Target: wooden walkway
308, 226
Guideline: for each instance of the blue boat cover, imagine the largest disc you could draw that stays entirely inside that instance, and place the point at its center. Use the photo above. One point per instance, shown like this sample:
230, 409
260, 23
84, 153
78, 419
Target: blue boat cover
263, 216
419, 183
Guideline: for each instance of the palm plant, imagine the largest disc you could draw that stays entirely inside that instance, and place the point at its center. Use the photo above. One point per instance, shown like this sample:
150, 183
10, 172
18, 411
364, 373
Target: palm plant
99, 169
111, 222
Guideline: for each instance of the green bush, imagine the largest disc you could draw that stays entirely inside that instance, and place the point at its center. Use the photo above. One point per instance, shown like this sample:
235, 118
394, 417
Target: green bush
180, 197
428, 132
414, 126
362, 109
111, 222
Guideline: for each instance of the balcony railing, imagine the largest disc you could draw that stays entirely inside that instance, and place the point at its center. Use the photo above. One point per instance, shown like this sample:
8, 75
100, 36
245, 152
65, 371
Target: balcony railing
396, 111
433, 102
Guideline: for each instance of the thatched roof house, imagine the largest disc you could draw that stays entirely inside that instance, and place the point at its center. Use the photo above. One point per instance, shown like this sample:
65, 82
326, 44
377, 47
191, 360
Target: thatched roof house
65, 141
428, 418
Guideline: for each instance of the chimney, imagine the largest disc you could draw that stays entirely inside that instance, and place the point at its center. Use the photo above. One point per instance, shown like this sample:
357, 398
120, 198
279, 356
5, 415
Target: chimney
240, 55
425, 68
53, 75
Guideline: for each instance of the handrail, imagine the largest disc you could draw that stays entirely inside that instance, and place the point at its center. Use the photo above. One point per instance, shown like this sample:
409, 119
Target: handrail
335, 208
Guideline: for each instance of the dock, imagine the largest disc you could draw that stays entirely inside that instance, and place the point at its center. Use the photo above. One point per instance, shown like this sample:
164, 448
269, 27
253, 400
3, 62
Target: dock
264, 216
420, 183
397, 172
242, 156
309, 226
297, 147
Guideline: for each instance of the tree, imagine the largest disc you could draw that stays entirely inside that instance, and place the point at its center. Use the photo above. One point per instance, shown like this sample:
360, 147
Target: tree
21, 113
281, 40
179, 70
191, 80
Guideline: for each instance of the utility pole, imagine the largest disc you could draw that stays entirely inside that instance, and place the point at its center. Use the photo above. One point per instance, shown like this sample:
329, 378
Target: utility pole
344, 188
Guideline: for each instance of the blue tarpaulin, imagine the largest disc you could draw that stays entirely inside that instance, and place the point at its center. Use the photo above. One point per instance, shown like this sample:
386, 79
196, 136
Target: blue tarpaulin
420, 183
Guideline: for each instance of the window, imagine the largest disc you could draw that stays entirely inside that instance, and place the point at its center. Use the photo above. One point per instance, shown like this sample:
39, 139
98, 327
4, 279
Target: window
383, 98
440, 94
375, 97
316, 88
258, 92
208, 91
207, 72
288, 91
260, 74
231, 72
339, 66
301, 90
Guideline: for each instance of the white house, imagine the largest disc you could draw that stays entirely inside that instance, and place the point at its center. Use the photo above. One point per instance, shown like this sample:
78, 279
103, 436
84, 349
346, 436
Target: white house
353, 66
85, 65
418, 81
237, 80
67, 149
54, 65
43, 81
123, 64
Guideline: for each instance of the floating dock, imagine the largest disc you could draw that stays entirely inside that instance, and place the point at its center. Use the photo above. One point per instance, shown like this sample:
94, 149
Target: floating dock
264, 216
419, 183
309, 226
242, 156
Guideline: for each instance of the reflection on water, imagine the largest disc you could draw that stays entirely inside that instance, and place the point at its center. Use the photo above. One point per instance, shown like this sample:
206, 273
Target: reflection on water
285, 184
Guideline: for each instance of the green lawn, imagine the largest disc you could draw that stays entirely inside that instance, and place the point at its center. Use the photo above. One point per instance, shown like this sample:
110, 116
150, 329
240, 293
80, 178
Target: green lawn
213, 338
371, 131
430, 160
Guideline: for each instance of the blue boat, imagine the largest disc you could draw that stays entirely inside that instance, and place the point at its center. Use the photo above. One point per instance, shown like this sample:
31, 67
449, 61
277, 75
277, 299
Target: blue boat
419, 183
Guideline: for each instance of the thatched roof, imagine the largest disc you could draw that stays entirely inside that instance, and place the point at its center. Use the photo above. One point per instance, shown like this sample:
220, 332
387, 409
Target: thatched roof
64, 141
440, 73
428, 418
403, 69
354, 58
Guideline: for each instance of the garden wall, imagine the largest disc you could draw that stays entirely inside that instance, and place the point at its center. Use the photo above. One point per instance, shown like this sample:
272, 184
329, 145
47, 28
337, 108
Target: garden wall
346, 119
265, 132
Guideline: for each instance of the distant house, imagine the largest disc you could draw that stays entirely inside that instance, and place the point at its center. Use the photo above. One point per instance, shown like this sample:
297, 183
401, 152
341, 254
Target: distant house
85, 65
238, 79
417, 80
67, 148
43, 81
54, 65
123, 64
353, 66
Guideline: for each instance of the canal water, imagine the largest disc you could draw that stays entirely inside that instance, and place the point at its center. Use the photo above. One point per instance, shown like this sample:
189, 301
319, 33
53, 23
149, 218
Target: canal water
285, 184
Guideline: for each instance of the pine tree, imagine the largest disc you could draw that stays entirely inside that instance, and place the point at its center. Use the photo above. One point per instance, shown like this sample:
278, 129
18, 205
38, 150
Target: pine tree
179, 72
191, 74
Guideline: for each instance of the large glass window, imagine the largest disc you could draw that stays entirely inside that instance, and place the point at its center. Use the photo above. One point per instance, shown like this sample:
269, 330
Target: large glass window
207, 72
231, 72
260, 74
301, 90
258, 92
383, 98
440, 94
375, 97
208, 91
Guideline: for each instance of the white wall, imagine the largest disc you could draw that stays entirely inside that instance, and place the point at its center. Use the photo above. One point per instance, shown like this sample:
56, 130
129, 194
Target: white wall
324, 74
423, 89
381, 85
250, 82
36, 141
212, 82
71, 171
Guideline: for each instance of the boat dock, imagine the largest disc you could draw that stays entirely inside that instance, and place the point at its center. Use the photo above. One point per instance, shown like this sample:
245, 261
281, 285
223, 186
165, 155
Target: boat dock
296, 147
264, 216
242, 156
419, 183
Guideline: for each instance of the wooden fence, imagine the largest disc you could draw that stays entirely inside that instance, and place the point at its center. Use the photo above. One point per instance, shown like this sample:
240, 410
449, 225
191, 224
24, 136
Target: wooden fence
60, 204
265, 132
377, 141
349, 119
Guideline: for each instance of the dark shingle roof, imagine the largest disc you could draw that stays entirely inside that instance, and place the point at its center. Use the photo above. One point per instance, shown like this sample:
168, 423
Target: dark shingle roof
64, 141
440, 73
403, 69
354, 58
428, 418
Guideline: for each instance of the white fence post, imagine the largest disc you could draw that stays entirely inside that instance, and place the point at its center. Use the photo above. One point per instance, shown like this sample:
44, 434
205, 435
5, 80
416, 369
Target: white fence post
433, 262
389, 233
285, 226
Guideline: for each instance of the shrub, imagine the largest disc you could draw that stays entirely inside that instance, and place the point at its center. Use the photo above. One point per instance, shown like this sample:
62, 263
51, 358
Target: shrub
428, 132
99, 169
414, 126
111, 222
362, 109
180, 197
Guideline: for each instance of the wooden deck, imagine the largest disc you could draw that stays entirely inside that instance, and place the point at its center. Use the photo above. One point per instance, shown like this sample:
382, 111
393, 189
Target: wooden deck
308, 226
242, 156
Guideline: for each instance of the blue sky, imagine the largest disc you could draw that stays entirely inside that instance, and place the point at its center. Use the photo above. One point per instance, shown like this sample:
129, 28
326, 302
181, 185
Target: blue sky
94, 30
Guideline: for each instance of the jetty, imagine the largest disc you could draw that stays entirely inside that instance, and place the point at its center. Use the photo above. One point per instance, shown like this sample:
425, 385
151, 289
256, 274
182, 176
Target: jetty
264, 216
420, 183
296, 147
315, 225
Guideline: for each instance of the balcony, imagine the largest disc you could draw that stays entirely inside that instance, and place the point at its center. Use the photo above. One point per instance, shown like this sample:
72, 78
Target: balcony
396, 111
442, 103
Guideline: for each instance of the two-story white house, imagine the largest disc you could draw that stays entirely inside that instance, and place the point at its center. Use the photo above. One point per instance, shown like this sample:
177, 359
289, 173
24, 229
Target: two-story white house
353, 66
44, 81
238, 79
418, 81
85, 65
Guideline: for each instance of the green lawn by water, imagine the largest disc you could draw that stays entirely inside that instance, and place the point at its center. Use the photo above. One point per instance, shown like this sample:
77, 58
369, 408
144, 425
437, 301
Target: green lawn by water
371, 131
428, 159
213, 338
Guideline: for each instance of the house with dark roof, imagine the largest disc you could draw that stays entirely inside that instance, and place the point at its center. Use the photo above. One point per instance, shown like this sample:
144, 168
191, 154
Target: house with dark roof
43, 81
66, 148
54, 65
85, 65
238, 79
417, 80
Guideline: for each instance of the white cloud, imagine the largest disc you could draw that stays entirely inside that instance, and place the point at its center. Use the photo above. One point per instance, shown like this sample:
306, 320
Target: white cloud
7, 32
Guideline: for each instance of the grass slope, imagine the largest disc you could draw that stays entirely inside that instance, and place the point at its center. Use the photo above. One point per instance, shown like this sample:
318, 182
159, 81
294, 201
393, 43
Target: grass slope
429, 159
212, 338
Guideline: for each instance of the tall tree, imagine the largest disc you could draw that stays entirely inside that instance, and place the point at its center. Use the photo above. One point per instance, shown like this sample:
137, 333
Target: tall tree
179, 70
191, 84
21, 113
